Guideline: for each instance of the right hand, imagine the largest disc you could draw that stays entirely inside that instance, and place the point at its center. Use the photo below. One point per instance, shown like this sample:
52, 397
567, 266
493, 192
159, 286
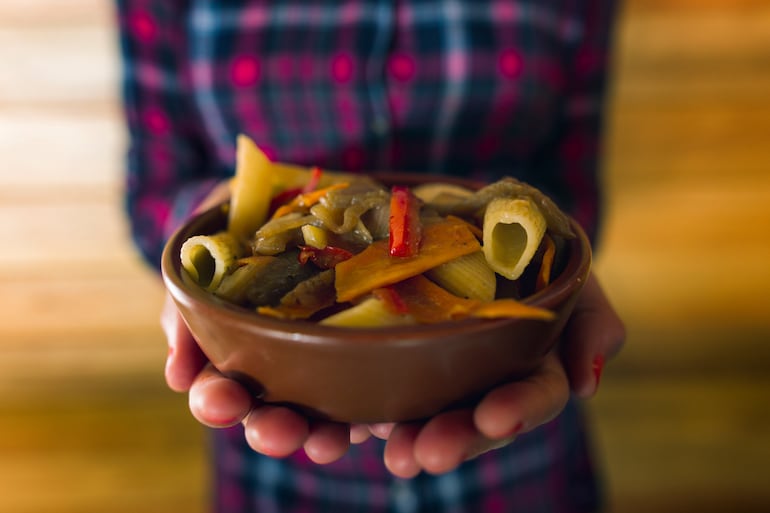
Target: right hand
217, 401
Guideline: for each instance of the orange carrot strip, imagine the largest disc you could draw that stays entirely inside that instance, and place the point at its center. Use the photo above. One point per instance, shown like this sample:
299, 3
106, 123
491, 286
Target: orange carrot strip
472, 227
429, 303
374, 268
511, 308
544, 275
306, 200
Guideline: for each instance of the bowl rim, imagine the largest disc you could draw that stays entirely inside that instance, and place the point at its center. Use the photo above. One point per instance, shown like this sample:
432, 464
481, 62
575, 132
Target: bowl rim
572, 276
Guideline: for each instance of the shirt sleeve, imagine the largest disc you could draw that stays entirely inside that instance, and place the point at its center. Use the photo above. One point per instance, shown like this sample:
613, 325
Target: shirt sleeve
169, 168
572, 154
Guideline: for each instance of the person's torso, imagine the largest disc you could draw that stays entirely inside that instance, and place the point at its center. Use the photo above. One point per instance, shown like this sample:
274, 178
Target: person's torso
446, 86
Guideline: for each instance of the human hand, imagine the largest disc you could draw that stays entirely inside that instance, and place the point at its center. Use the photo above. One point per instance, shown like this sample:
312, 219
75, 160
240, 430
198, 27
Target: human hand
593, 334
219, 402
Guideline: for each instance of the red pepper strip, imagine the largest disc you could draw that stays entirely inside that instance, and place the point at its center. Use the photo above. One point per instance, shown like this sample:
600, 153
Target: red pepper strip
544, 274
283, 198
405, 228
325, 258
315, 179
393, 301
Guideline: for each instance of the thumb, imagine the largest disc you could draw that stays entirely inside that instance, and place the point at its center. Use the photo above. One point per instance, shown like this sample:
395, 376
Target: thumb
185, 359
593, 335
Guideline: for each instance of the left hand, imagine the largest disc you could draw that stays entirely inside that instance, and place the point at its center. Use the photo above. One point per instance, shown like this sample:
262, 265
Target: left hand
593, 334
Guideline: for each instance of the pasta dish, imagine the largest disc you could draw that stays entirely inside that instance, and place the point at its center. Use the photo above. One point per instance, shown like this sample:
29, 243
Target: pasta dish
346, 250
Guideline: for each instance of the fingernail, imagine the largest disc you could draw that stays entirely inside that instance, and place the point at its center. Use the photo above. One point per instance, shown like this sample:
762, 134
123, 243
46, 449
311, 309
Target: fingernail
598, 367
515, 430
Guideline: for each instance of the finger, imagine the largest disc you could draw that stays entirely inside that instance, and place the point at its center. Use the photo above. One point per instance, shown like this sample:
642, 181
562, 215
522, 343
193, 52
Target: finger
217, 401
185, 359
399, 455
446, 441
327, 442
381, 430
523, 405
593, 334
359, 433
275, 431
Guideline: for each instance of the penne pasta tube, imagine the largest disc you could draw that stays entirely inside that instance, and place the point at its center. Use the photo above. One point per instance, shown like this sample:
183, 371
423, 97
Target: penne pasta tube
468, 276
252, 189
208, 258
513, 229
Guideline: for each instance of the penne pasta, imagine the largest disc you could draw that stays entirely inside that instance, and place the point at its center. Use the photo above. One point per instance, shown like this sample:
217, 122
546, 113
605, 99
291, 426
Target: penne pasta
468, 276
513, 229
208, 258
252, 189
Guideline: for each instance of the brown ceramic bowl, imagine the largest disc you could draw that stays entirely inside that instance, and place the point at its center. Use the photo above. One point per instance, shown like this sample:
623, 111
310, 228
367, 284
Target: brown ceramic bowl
378, 374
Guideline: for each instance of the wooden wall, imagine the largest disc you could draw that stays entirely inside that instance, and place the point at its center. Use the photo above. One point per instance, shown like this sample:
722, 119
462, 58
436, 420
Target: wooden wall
87, 425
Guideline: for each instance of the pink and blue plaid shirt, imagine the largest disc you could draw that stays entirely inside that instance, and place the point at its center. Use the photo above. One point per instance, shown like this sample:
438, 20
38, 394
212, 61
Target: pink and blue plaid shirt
480, 88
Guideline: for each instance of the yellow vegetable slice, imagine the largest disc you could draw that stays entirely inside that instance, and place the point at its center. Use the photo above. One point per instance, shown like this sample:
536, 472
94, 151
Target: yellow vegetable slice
513, 229
369, 313
252, 189
373, 268
315, 236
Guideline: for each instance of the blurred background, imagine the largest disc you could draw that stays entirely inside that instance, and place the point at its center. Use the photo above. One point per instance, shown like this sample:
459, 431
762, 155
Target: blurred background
683, 424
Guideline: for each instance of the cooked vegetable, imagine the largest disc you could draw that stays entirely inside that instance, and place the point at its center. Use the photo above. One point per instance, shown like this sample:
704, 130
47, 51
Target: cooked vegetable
374, 268
405, 225
369, 313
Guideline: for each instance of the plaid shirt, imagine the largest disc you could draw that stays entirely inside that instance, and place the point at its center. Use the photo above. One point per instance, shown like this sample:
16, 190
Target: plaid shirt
481, 88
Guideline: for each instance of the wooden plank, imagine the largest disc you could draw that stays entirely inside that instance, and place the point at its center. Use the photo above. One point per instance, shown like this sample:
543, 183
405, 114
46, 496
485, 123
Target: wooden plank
47, 150
52, 13
109, 445
704, 436
61, 64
